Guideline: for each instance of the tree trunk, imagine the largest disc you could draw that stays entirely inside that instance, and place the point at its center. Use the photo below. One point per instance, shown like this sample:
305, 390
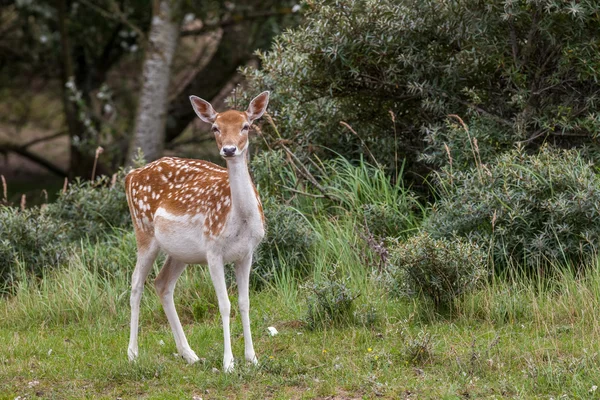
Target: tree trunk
153, 101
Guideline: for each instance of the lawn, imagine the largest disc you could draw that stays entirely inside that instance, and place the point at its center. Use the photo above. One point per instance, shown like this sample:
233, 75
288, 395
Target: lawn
504, 341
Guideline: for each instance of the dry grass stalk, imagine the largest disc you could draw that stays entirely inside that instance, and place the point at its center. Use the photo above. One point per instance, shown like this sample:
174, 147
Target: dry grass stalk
4, 190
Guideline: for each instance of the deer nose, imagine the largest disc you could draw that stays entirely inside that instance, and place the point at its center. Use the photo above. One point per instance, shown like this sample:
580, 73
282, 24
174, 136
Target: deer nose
228, 151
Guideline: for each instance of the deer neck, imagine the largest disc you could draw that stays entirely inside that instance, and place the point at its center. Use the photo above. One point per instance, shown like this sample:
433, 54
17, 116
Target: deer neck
243, 196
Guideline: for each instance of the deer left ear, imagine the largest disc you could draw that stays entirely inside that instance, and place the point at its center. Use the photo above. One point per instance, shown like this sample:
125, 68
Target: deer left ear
258, 106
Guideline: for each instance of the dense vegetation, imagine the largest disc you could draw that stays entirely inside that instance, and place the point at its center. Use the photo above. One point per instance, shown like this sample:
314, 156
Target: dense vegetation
440, 243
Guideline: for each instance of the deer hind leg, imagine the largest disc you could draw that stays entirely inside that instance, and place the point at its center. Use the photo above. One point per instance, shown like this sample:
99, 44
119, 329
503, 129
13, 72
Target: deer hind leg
217, 275
165, 285
242, 277
145, 258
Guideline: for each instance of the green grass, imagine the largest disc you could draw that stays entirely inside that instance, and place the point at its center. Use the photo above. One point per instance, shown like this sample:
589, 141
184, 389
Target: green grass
65, 336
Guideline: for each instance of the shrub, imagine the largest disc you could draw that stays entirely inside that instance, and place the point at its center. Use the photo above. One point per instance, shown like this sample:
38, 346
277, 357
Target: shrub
92, 208
528, 209
41, 237
330, 303
272, 174
31, 237
460, 146
532, 68
287, 243
438, 269
418, 349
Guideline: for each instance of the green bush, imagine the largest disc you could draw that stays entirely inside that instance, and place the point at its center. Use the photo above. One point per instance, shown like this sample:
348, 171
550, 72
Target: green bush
330, 302
528, 209
460, 146
287, 244
289, 238
40, 237
92, 208
530, 67
31, 237
438, 269
273, 175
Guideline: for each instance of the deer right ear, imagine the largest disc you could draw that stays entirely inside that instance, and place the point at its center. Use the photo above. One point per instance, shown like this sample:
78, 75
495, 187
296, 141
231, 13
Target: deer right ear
203, 109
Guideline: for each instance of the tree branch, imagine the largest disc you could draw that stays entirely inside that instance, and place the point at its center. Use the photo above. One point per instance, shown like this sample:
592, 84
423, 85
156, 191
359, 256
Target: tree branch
23, 152
236, 19
117, 15
44, 139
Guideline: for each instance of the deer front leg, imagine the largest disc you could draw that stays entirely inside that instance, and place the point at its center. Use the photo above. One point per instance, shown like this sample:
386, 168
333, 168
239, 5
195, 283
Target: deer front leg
165, 285
217, 274
143, 265
242, 276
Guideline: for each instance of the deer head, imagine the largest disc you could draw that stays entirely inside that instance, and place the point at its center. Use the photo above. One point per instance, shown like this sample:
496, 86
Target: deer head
231, 127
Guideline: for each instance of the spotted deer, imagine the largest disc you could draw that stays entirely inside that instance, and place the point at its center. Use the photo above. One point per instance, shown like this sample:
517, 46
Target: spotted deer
199, 213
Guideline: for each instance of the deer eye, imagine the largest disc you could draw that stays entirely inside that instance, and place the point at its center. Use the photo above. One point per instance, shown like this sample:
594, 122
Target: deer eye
215, 129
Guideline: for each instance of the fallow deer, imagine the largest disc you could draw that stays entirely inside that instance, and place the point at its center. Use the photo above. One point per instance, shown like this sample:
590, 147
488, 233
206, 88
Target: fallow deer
199, 213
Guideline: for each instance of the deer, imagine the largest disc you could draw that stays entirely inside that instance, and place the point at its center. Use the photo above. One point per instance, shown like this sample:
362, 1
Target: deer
199, 213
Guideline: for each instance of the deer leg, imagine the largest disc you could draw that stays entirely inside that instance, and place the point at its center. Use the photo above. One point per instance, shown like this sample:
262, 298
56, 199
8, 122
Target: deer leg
242, 277
217, 274
165, 286
143, 265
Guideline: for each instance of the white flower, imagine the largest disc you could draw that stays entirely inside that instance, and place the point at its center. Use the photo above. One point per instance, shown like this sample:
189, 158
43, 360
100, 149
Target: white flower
593, 389
272, 331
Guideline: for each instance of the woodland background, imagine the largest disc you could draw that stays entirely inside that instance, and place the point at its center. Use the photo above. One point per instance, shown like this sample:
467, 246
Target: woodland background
428, 171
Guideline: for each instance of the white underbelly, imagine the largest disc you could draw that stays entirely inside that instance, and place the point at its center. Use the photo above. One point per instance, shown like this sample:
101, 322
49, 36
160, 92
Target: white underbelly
181, 236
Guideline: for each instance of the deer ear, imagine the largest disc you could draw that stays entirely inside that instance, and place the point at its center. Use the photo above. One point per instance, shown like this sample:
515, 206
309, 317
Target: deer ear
203, 109
258, 106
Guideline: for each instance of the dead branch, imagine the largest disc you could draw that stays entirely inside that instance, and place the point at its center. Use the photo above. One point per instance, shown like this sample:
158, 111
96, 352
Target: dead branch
23, 152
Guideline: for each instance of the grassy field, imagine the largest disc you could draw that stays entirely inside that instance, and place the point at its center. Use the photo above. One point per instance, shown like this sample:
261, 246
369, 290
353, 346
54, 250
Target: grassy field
65, 336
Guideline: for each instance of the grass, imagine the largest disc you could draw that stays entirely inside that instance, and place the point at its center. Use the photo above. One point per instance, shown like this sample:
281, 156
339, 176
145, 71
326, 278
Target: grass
65, 336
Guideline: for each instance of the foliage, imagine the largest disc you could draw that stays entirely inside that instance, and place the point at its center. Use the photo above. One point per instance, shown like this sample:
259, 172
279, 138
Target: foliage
287, 243
366, 191
331, 302
438, 269
530, 68
273, 175
459, 146
40, 237
92, 208
418, 349
528, 209
289, 238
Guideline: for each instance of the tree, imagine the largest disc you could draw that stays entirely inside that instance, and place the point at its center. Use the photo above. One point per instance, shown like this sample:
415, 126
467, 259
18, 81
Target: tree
153, 101
87, 52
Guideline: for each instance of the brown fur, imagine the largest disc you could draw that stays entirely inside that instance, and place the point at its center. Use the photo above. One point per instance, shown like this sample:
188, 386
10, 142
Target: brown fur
181, 186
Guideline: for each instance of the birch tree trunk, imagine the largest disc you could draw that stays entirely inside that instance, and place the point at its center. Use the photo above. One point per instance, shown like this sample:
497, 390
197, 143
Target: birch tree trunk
153, 100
